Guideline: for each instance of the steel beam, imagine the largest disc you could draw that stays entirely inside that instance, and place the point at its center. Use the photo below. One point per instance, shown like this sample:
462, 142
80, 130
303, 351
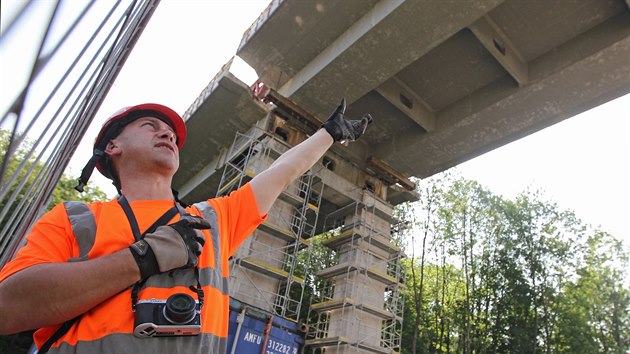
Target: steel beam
500, 46
398, 94
340, 45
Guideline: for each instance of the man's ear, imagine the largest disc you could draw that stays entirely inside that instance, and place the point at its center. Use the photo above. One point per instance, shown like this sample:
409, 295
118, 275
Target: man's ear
112, 148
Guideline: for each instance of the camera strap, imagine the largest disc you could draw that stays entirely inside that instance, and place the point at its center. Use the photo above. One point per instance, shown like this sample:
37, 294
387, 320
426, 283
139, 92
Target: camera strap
198, 288
135, 229
133, 222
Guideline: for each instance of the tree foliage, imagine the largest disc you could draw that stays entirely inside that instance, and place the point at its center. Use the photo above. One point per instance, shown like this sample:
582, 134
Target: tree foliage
493, 275
27, 167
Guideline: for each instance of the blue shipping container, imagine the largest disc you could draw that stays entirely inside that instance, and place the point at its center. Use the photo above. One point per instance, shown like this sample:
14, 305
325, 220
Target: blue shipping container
252, 330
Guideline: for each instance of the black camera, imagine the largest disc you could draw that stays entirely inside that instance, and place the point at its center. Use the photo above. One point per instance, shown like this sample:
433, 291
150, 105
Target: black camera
179, 315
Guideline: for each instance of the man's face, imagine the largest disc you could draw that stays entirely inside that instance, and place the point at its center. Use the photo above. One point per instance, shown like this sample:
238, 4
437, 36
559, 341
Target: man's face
148, 143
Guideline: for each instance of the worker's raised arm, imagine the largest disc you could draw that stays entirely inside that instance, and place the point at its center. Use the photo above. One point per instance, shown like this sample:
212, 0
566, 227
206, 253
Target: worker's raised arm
268, 185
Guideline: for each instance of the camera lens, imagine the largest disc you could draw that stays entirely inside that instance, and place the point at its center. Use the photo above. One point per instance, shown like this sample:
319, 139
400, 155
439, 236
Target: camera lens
180, 308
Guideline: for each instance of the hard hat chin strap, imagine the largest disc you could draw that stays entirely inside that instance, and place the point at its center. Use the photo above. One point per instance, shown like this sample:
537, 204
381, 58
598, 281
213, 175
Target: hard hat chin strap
99, 152
86, 173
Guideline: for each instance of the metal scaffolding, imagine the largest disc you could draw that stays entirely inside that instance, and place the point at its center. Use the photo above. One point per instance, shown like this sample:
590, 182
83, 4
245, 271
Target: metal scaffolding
346, 260
359, 308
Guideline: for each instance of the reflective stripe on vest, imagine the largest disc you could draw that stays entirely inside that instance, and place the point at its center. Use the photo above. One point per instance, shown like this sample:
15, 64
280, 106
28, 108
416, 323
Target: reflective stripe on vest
126, 343
210, 215
83, 226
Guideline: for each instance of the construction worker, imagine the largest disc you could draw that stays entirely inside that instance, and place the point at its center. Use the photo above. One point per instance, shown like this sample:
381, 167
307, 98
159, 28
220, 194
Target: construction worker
119, 276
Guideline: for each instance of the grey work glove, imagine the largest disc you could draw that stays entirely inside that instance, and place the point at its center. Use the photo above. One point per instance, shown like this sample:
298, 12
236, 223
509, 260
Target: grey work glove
343, 130
173, 246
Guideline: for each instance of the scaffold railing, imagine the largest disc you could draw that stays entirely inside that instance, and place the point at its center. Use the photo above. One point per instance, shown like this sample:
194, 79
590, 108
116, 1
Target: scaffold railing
361, 262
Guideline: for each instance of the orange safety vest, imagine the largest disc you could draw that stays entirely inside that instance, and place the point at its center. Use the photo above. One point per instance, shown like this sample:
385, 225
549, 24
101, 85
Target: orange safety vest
108, 327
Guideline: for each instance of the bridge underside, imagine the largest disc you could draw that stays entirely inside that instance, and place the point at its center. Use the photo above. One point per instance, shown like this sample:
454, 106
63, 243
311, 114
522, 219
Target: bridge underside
445, 80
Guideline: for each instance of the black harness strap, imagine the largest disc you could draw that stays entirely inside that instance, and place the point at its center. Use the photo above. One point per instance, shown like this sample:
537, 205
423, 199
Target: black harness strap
60, 332
135, 229
162, 220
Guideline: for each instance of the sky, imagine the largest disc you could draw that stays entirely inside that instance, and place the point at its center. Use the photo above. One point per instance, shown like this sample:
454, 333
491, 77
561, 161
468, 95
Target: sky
581, 163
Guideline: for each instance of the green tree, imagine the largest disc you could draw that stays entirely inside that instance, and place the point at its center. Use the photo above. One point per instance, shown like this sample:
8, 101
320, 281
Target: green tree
64, 191
594, 311
535, 244
426, 208
468, 218
22, 162
506, 276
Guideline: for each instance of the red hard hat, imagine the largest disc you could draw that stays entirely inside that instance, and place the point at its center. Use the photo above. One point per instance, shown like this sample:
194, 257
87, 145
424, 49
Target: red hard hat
173, 119
129, 114
114, 125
